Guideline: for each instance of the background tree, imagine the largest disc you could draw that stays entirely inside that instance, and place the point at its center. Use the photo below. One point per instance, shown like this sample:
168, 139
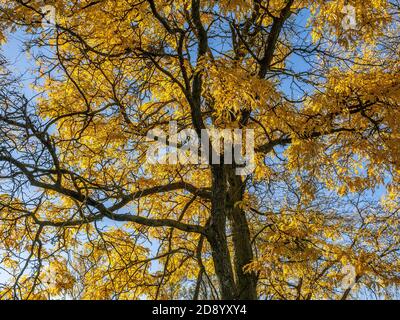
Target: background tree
83, 213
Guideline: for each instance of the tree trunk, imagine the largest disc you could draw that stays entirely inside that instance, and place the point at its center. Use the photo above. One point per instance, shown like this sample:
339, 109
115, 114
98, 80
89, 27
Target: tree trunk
217, 235
243, 253
227, 190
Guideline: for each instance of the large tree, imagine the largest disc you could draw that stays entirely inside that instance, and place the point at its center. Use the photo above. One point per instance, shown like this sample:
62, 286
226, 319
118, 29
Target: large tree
83, 214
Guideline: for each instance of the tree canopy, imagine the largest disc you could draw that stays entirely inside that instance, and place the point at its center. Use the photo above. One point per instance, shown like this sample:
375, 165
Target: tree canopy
84, 215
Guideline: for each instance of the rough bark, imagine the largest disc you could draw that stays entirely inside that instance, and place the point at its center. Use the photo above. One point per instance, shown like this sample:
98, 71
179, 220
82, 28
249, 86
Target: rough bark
243, 254
227, 190
217, 235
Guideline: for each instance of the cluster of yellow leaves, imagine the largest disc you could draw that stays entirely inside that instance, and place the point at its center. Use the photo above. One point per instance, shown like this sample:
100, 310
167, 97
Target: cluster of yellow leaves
15, 224
348, 161
57, 278
302, 253
371, 17
232, 89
